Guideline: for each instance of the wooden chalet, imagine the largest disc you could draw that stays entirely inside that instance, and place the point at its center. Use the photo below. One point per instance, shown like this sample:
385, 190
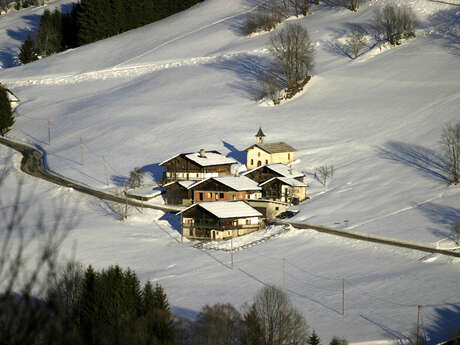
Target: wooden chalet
225, 188
284, 189
196, 166
178, 193
266, 172
262, 153
220, 220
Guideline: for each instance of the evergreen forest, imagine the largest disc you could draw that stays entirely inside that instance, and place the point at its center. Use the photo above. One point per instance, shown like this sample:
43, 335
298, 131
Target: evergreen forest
93, 20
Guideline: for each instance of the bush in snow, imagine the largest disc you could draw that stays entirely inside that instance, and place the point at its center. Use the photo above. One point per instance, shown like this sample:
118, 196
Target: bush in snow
395, 22
356, 40
450, 141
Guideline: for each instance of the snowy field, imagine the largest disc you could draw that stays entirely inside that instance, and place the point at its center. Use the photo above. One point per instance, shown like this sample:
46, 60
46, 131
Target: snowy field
185, 83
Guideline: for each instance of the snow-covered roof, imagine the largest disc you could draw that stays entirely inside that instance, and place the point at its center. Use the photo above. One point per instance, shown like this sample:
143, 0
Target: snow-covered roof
228, 209
279, 168
273, 147
146, 191
210, 158
238, 183
286, 180
185, 184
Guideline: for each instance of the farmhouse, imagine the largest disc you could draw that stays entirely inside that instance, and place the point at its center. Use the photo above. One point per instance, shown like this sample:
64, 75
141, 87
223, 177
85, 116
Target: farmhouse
225, 188
178, 193
262, 153
284, 189
196, 166
220, 220
266, 172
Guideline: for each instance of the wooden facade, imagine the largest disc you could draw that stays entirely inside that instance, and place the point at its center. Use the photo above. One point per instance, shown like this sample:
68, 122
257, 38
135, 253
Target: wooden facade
178, 194
180, 168
264, 173
278, 190
213, 190
198, 223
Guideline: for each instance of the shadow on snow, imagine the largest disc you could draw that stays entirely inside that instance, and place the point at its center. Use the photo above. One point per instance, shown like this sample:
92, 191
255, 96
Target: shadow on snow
425, 160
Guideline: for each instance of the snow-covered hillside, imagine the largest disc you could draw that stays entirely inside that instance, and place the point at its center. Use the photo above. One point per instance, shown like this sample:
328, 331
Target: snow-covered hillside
185, 83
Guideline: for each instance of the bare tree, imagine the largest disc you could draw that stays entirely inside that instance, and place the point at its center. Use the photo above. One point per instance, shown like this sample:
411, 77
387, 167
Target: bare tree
136, 178
269, 85
268, 15
356, 40
395, 22
338, 341
26, 274
293, 52
272, 319
324, 173
455, 231
218, 324
450, 142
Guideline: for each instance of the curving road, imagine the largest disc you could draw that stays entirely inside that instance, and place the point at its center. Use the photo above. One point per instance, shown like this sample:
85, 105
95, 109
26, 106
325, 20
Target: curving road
32, 164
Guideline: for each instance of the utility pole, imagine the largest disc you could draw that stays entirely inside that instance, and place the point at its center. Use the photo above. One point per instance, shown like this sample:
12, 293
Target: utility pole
231, 248
81, 149
420, 325
105, 171
343, 297
284, 275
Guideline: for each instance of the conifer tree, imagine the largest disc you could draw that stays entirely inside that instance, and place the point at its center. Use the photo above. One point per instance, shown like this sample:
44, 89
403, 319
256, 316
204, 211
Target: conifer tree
28, 51
148, 298
6, 114
49, 38
160, 298
314, 339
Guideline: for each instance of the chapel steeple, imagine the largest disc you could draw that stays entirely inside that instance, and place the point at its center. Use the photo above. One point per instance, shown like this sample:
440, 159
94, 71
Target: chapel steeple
260, 136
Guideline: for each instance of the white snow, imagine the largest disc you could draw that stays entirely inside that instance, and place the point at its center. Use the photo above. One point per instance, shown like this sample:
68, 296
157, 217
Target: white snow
283, 170
228, 209
185, 83
238, 183
289, 181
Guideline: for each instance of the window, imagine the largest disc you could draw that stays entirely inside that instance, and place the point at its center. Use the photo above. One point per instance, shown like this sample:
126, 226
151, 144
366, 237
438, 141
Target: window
277, 208
252, 161
235, 222
289, 156
258, 154
201, 196
209, 195
266, 161
234, 196
221, 195
248, 222
217, 196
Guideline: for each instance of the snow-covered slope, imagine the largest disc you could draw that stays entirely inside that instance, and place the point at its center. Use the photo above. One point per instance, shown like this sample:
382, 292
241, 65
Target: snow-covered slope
185, 83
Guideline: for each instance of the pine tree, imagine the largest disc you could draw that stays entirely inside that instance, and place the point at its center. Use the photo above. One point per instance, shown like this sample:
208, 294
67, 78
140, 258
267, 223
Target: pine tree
314, 339
160, 298
28, 51
148, 298
6, 113
49, 38
88, 309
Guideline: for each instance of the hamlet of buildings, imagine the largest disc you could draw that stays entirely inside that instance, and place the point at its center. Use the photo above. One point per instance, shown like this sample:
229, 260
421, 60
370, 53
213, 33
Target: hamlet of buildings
221, 205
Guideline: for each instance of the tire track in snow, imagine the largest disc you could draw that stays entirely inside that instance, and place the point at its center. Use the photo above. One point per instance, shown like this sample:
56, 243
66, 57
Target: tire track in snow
128, 71
186, 35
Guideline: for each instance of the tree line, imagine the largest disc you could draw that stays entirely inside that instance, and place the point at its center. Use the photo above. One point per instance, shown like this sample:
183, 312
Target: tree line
93, 20
111, 307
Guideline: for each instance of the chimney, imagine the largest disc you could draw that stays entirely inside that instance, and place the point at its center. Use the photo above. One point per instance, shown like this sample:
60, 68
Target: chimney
202, 153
